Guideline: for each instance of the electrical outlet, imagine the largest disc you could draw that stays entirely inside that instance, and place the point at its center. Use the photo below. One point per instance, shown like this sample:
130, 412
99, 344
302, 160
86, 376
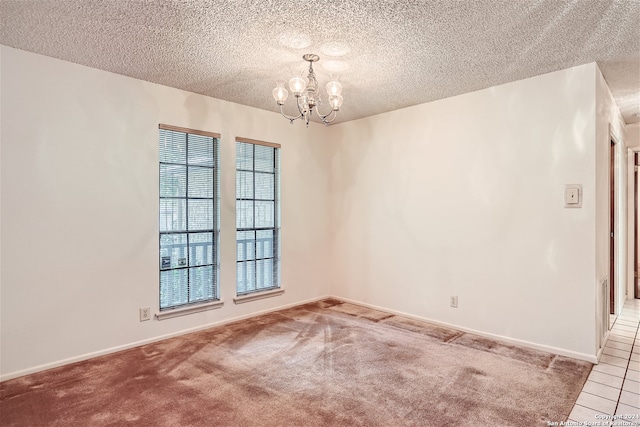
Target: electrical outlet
454, 301
145, 313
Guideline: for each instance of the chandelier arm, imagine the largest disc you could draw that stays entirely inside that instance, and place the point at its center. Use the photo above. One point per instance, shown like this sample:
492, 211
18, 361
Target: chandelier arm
323, 116
290, 118
326, 122
330, 120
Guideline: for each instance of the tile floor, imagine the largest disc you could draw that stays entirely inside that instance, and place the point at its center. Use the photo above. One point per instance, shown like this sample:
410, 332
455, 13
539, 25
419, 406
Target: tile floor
613, 387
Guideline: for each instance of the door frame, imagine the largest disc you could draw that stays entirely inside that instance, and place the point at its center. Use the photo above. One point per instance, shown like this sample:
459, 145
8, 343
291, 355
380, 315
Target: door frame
612, 222
636, 285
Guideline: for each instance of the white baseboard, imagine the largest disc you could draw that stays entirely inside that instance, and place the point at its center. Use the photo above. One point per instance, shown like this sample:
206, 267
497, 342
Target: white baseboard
58, 363
523, 343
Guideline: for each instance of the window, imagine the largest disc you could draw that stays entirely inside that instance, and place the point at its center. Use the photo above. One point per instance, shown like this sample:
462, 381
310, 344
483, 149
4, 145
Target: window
189, 212
257, 216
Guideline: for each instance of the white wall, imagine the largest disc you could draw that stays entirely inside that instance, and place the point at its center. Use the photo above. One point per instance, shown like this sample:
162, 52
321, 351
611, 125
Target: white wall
79, 176
465, 196
633, 135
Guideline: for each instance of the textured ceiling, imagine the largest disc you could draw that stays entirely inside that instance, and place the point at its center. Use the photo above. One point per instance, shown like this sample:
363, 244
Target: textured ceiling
388, 54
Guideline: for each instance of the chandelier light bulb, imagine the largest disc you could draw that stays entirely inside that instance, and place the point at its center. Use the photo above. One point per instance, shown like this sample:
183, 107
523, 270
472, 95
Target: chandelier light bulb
336, 102
297, 85
280, 94
334, 88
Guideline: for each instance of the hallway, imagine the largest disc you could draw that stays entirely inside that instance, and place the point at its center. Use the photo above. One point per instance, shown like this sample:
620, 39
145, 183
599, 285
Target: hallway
613, 387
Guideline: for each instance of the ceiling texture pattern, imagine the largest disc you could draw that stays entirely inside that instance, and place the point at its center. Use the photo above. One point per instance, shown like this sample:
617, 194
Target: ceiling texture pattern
388, 54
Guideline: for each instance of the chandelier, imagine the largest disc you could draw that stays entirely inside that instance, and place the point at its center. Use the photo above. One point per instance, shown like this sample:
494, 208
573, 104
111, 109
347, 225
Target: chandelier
308, 96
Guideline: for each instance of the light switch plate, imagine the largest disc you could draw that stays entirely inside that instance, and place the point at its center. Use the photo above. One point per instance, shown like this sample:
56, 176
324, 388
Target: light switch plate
573, 196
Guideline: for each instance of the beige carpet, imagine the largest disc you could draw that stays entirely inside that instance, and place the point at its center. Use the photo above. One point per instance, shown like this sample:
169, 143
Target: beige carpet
322, 364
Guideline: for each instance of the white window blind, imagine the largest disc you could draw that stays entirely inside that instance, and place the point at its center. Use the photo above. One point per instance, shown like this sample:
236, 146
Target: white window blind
189, 216
257, 216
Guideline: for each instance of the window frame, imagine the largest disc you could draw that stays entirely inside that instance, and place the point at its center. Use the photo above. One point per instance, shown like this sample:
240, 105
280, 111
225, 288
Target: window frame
276, 289
211, 300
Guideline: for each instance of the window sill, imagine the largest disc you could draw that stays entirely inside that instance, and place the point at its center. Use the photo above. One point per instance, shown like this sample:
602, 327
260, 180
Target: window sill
188, 310
258, 295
